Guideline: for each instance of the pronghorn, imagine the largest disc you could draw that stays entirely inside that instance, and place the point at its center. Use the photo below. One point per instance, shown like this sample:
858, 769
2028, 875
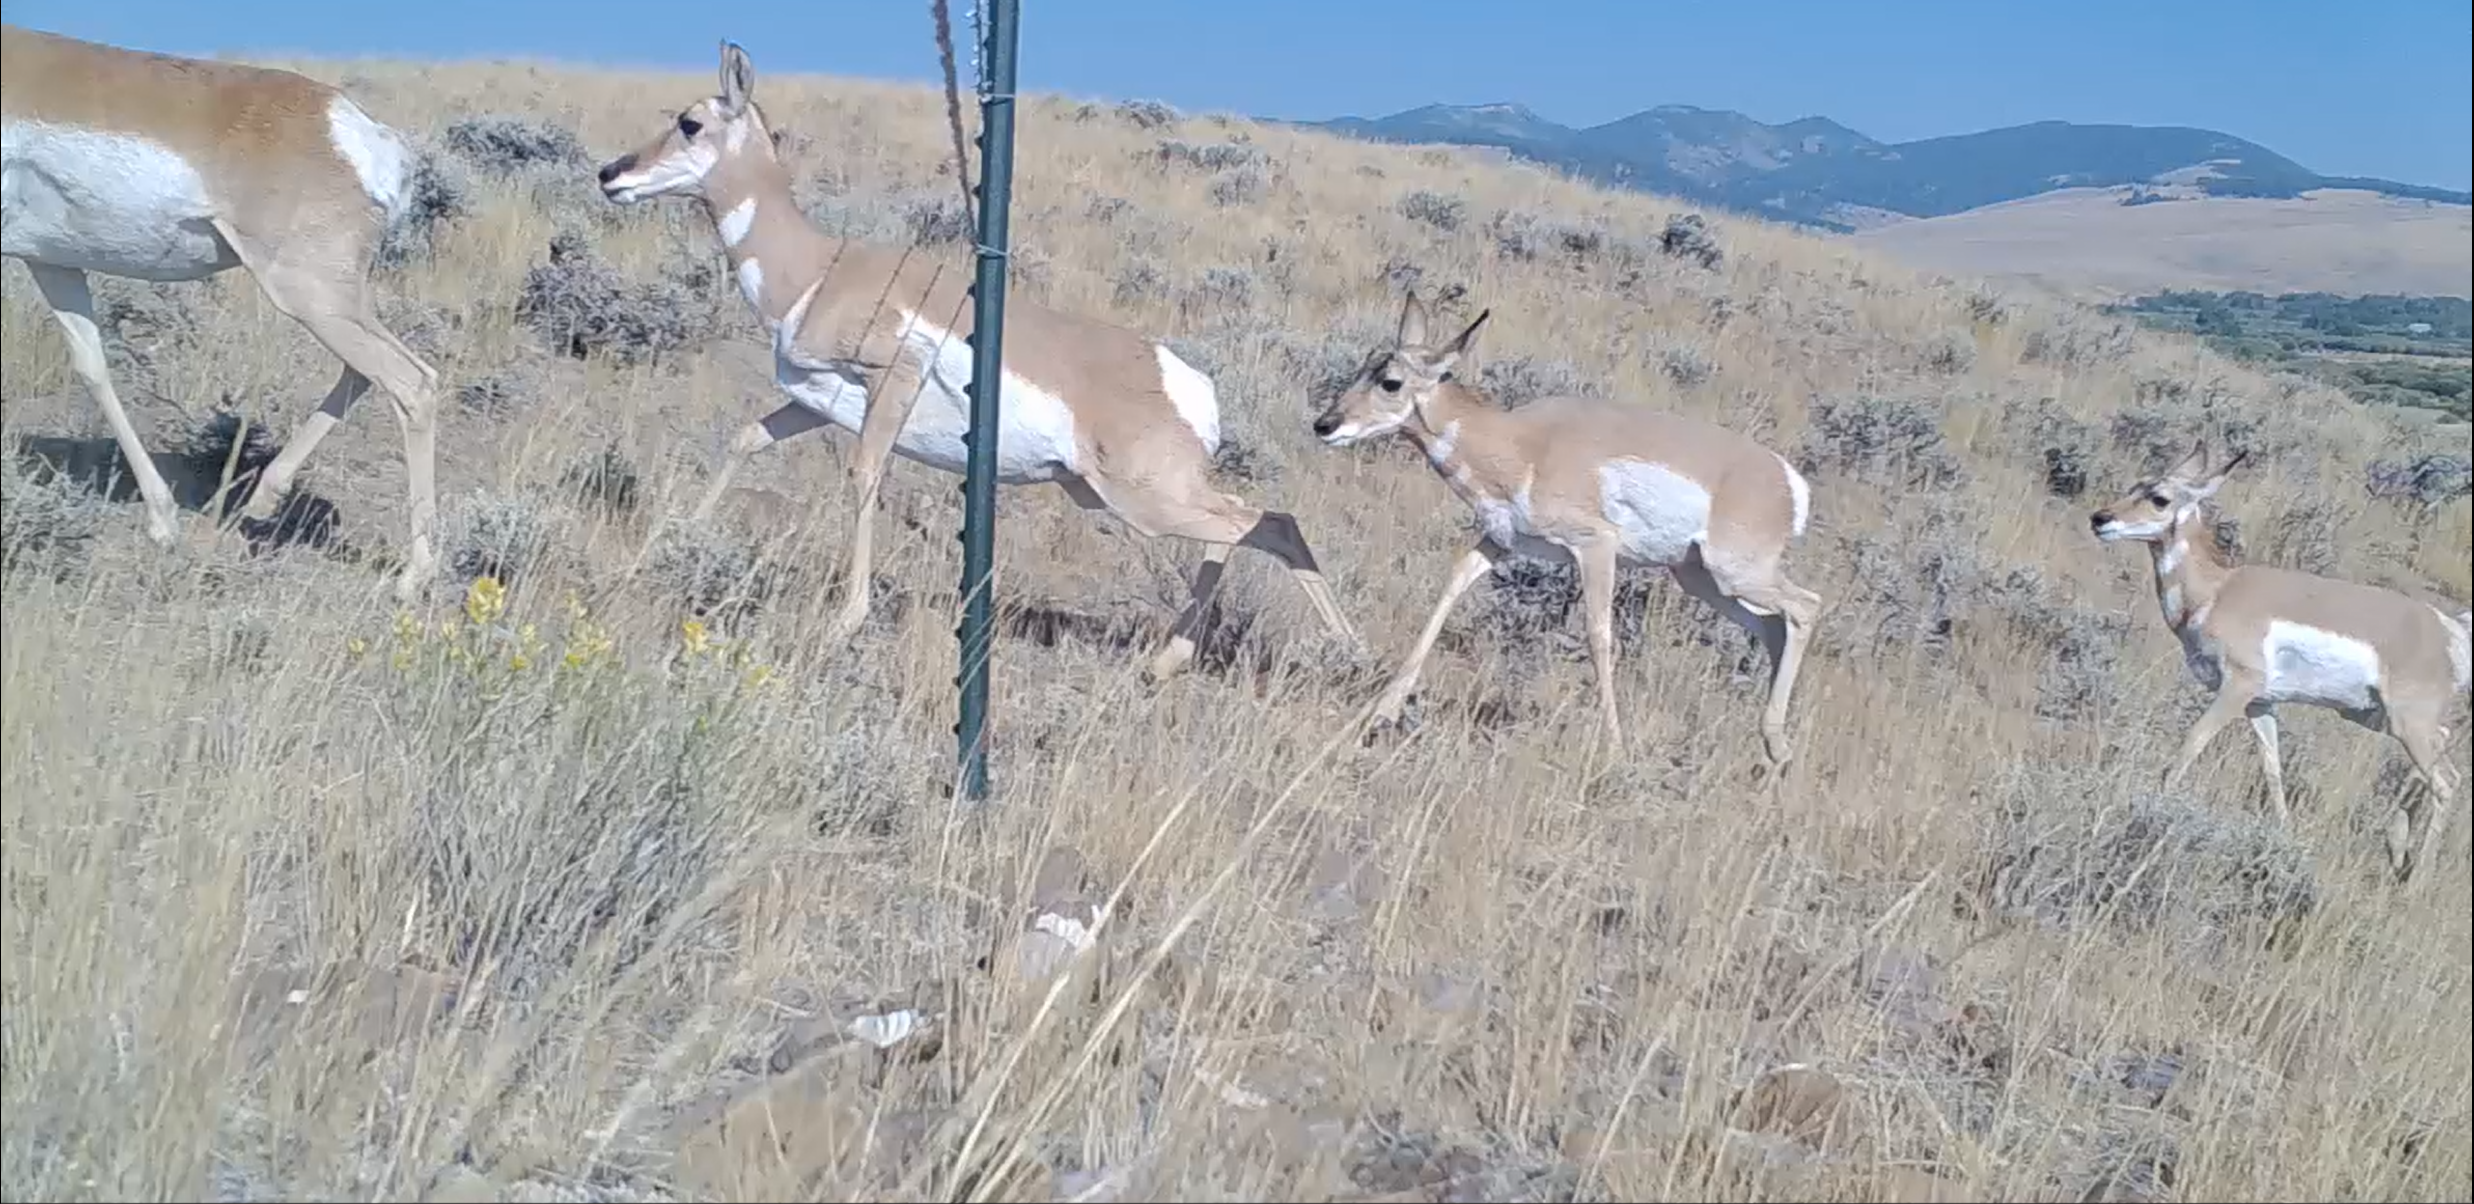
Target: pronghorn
1600, 483
871, 339
159, 168
2260, 635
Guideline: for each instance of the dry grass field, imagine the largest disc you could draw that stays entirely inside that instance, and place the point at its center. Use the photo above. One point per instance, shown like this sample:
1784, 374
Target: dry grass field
2084, 244
616, 884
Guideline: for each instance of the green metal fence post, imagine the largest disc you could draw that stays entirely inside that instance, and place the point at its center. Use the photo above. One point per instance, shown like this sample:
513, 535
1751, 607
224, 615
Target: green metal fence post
996, 180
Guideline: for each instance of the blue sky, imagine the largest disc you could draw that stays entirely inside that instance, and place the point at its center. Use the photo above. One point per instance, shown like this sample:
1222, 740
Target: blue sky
2371, 87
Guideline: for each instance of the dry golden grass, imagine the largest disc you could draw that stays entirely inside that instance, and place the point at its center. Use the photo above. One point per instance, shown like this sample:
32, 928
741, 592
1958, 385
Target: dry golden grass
307, 900
2085, 244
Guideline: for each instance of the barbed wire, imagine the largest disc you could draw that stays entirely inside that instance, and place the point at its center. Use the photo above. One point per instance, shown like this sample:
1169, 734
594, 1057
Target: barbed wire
953, 98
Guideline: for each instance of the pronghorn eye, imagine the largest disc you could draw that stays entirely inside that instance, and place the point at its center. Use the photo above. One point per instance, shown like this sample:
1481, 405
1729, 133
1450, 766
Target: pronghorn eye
2160, 501
688, 126
1391, 386
1444, 379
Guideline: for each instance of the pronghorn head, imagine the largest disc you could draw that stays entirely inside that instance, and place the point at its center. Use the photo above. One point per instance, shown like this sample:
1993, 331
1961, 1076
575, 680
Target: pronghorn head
2153, 508
708, 137
1397, 381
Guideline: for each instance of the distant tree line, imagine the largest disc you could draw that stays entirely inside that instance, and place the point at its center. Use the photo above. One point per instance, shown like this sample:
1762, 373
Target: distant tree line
2424, 340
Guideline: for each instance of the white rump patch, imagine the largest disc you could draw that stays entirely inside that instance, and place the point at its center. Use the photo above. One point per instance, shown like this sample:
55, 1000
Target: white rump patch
2309, 664
107, 202
377, 155
1192, 393
1659, 512
1065, 928
2460, 648
752, 284
734, 225
889, 1029
1799, 494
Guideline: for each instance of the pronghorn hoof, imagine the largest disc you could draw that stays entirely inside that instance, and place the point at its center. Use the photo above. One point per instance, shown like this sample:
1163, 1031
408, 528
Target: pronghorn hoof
263, 505
1401, 720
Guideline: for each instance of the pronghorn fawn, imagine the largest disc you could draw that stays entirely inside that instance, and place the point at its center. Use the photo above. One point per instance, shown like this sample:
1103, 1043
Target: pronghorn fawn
158, 168
2260, 635
872, 339
1600, 483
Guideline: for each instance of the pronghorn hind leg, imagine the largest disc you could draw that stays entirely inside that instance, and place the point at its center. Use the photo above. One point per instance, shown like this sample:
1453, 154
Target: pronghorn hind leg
328, 294
1786, 614
2427, 743
1276, 532
64, 289
1225, 522
788, 422
1179, 651
2263, 727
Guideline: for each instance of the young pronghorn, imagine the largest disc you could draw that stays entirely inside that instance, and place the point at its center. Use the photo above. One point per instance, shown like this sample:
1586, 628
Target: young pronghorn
871, 339
160, 168
1601, 483
2260, 635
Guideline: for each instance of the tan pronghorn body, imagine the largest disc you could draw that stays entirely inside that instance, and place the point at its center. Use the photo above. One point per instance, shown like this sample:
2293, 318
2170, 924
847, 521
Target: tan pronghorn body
1602, 483
160, 168
872, 339
2260, 636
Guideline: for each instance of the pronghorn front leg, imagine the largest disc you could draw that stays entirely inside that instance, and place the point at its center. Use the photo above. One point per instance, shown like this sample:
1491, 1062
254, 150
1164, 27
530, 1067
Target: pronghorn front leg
788, 422
1596, 562
65, 289
2233, 697
1478, 561
890, 398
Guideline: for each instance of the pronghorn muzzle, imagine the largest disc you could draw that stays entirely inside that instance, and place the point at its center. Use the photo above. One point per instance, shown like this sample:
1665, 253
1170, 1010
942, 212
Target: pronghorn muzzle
617, 167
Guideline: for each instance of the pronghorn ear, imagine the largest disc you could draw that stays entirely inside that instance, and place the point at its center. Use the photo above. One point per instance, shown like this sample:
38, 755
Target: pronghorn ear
738, 79
2192, 467
2217, 481
1413, 322
1459, 346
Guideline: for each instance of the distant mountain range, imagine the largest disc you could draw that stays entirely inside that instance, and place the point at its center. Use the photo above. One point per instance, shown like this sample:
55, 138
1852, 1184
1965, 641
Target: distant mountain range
1816, 172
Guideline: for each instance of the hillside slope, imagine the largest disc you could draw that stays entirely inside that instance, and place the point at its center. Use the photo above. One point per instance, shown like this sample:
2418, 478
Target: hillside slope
624, 885
2088, 243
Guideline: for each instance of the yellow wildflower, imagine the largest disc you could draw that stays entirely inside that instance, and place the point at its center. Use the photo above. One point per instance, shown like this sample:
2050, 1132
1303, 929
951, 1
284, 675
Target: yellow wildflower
586, 642
485, 601
519, 662
407, 628
356, 646
692, 631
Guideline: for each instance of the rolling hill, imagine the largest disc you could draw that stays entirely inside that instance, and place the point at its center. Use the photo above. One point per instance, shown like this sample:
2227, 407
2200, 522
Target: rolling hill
1817, 172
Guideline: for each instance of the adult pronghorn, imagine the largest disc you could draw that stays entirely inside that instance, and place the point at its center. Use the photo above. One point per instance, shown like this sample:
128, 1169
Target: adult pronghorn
161, 168
1600, 483
871, 339
2260, 635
